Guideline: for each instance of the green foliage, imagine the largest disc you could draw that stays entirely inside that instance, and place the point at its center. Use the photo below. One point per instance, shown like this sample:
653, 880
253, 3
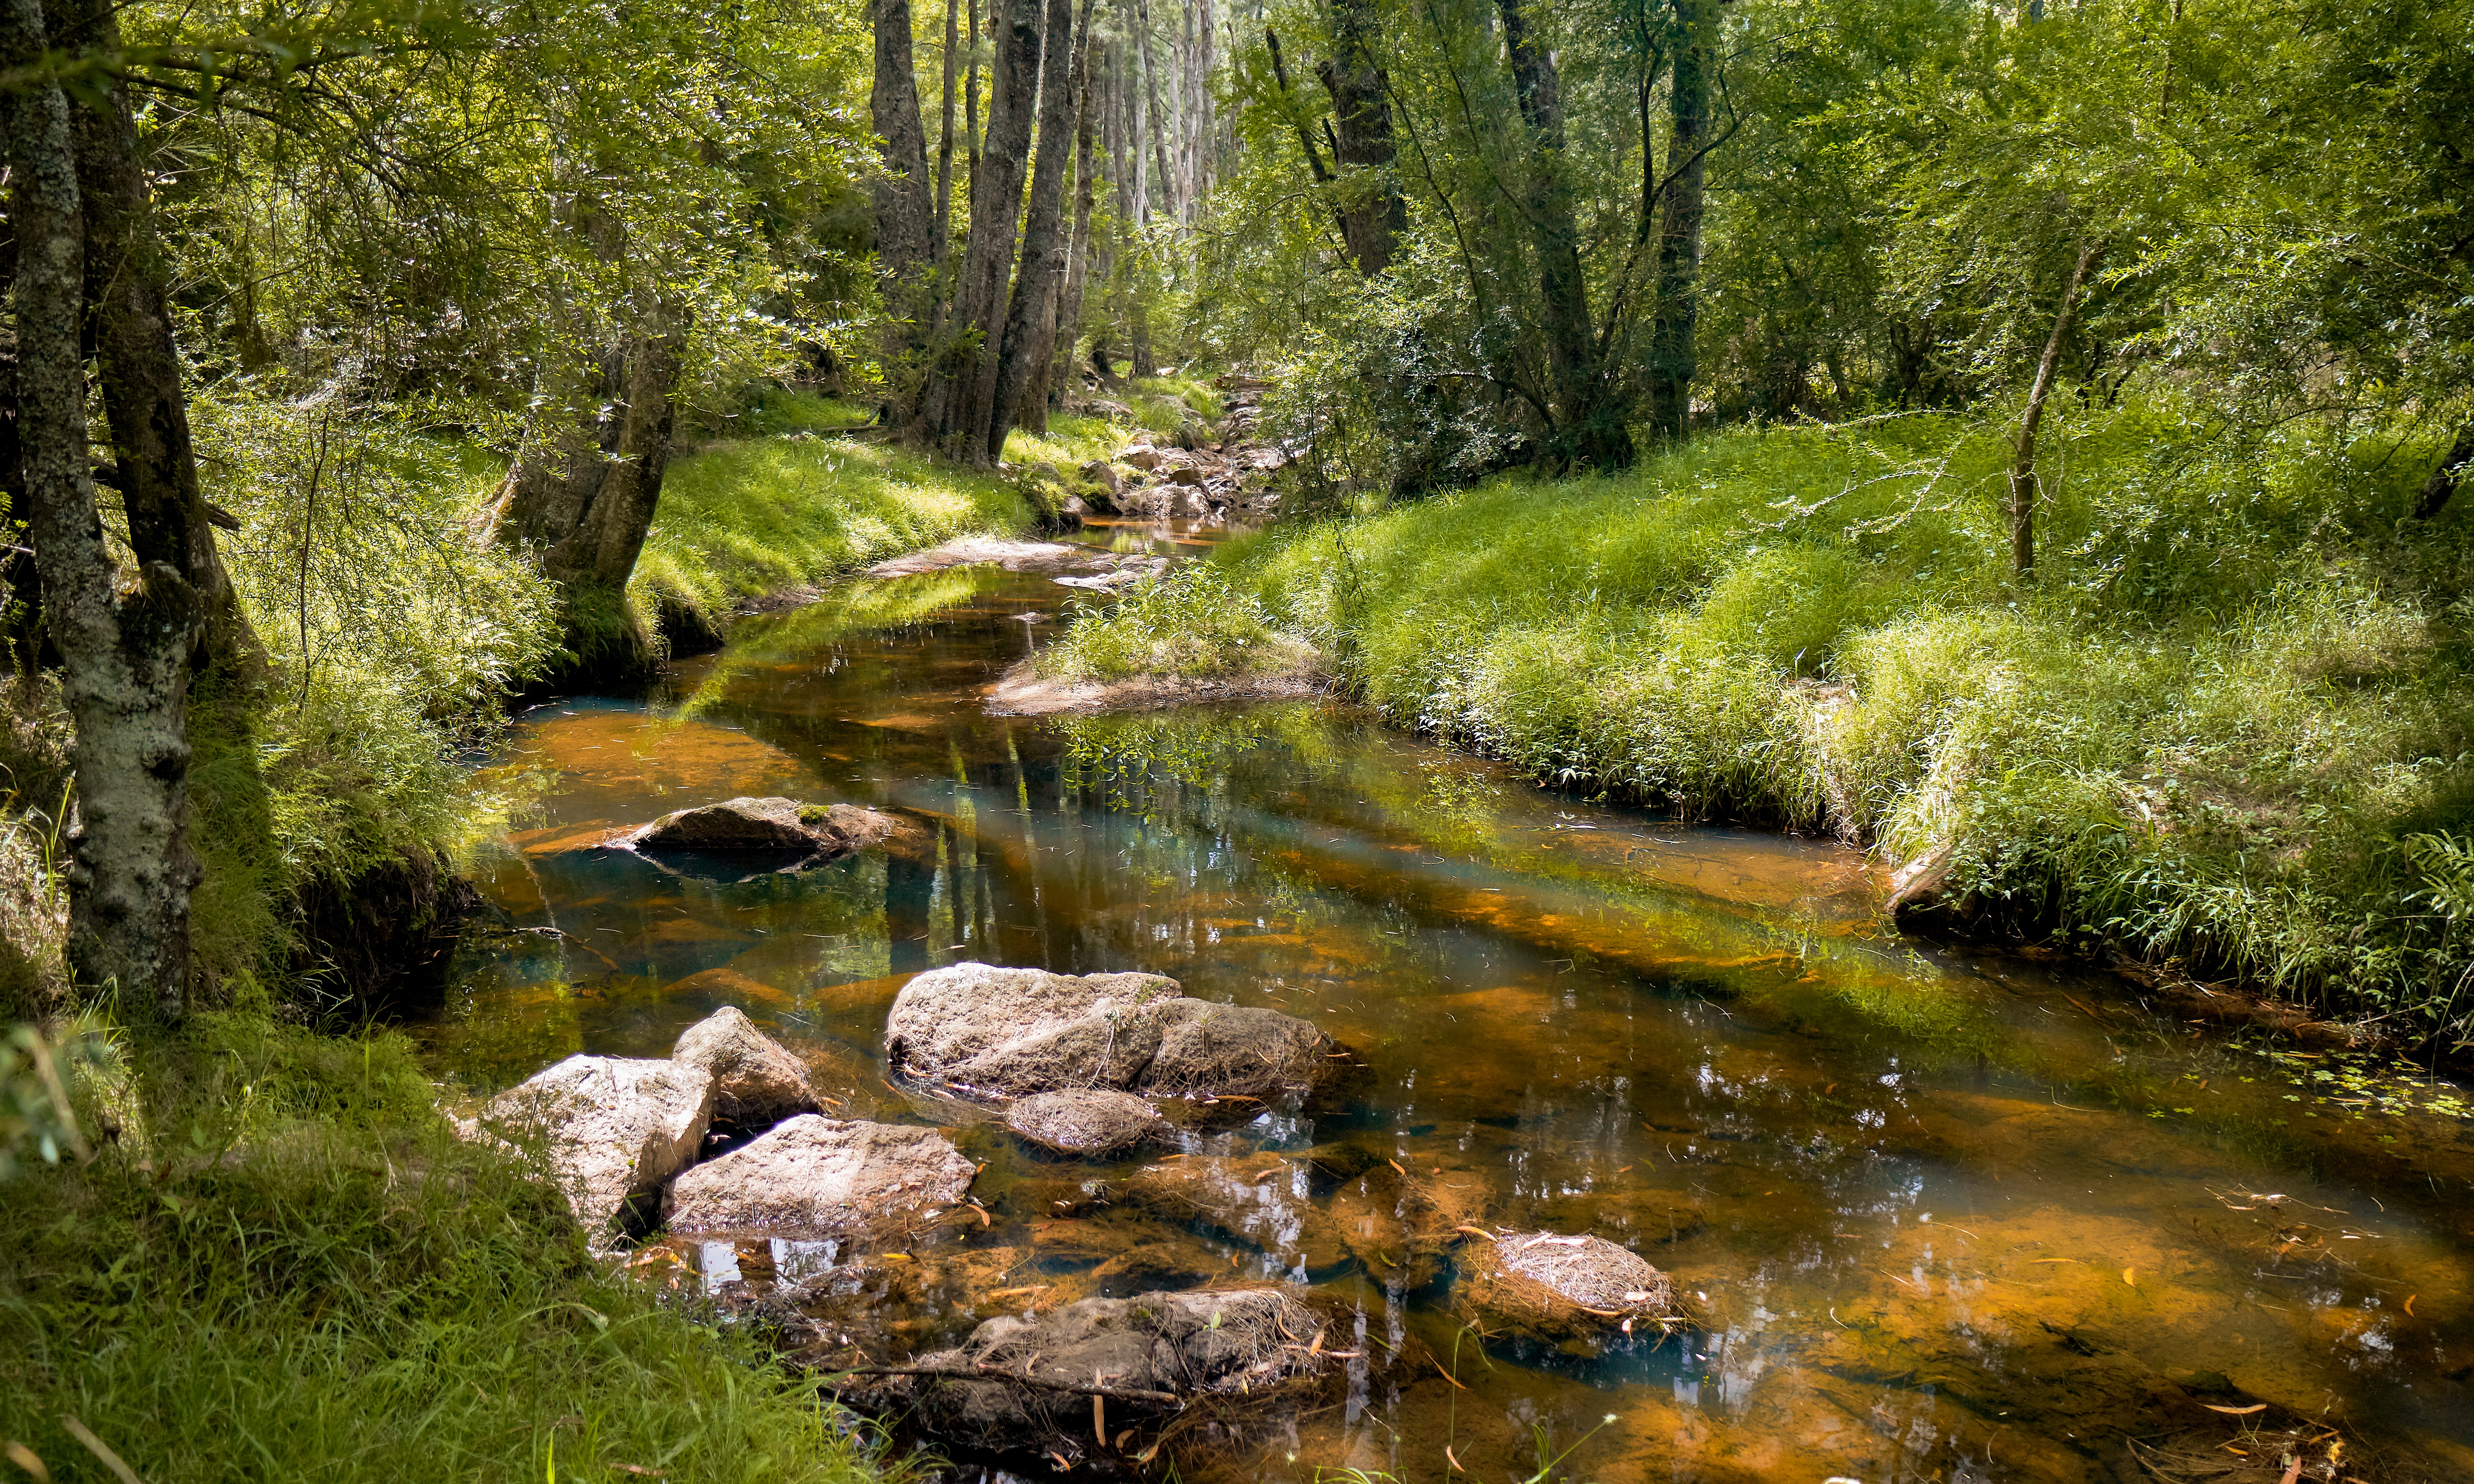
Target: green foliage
2234, 724
280, 1265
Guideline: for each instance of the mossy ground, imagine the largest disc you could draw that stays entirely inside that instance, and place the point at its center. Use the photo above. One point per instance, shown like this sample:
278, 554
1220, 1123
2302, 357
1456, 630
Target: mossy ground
2228, 724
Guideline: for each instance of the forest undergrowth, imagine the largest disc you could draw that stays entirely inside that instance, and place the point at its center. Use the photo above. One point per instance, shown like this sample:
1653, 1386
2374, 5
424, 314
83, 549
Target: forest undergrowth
2227, 729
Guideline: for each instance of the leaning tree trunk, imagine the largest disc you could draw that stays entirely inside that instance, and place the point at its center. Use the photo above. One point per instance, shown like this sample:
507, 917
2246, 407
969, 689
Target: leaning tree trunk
2023, 455
124, 655
1672, 358
1031, 322
1374, 214
584, 497
1592, 432
961, 393
1067, 332
904, 244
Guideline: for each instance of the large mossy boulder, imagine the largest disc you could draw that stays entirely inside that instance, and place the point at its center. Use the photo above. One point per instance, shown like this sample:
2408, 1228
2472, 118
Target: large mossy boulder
756, 1083
1154, 1352
614, 1128
1006, 1033
816, 1177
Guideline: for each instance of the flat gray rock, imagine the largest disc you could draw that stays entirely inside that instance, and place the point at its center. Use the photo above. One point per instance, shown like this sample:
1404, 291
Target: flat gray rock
1089, 1121
756, 1084
615, 1127
1007, 1033
822, 1177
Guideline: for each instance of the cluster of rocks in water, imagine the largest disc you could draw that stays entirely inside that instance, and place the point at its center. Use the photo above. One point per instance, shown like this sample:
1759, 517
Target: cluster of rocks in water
727, 1137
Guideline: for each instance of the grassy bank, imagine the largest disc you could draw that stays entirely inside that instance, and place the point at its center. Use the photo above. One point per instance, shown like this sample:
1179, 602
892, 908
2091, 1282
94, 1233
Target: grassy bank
278, 1265
2229, 724
790, 509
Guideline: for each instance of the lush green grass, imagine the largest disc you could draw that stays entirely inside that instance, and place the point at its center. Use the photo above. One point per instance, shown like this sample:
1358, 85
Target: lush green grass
2230, 722
758, 515
284, 1268
1192, 621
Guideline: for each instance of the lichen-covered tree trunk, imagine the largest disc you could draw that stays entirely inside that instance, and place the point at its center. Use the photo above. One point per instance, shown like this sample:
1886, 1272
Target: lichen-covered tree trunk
138, 367
958, 402
124, 654
1376, 214
1031, 321
1591, 431
904, 228
1672, 358
2022, 454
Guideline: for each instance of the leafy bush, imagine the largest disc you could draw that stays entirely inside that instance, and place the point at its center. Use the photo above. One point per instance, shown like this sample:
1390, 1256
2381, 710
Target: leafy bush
1195, 621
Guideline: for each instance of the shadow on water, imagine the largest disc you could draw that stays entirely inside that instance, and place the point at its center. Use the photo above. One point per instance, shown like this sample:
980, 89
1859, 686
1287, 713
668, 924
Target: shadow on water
1946, 1217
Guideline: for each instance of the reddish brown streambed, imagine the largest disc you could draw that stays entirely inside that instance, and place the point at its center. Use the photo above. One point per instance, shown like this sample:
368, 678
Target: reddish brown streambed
1952, 1219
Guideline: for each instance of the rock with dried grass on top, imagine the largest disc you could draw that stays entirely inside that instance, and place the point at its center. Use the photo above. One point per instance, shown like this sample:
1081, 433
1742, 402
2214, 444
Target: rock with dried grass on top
1576, 1292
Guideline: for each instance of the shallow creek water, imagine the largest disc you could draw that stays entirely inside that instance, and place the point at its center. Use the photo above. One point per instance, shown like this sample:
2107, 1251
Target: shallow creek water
1945, 1217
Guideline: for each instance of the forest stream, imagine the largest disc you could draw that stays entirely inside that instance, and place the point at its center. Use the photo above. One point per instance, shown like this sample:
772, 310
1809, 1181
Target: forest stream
1942, 1216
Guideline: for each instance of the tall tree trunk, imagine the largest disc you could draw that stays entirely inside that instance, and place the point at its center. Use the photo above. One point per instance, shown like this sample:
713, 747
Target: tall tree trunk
1139, 95
125, 656
2442, 482
1672, 358
139, 366
1591, 431
1031, 322
1078, 258
1375, 215
941, 233
904, 247
1152, 99
961, 394
971, 104
2023, 455
1206, 107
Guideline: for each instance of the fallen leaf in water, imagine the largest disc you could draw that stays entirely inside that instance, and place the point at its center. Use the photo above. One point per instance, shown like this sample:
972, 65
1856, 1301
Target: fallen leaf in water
2409, 1304
1449, 1376
2292, 1469
2236, 1411
1455, 1458
1395, 1164
2128, 1278
1476, 1232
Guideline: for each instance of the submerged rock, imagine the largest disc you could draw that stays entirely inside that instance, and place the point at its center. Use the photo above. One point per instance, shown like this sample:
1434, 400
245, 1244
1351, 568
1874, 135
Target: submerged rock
1400, 1226
1564, 1290
1151, 1351
614, 1128
814, 1176
756, 1084
1013, 1032
1266, 1201
806, 832
1087, 1122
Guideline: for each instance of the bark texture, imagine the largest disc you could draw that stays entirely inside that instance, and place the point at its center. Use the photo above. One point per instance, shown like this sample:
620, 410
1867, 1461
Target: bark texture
138, 366
1375, 215
1031, 322
125, 654
2023, 456
904, 226
1672, 360
584, 496
1077, 255
960, 398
